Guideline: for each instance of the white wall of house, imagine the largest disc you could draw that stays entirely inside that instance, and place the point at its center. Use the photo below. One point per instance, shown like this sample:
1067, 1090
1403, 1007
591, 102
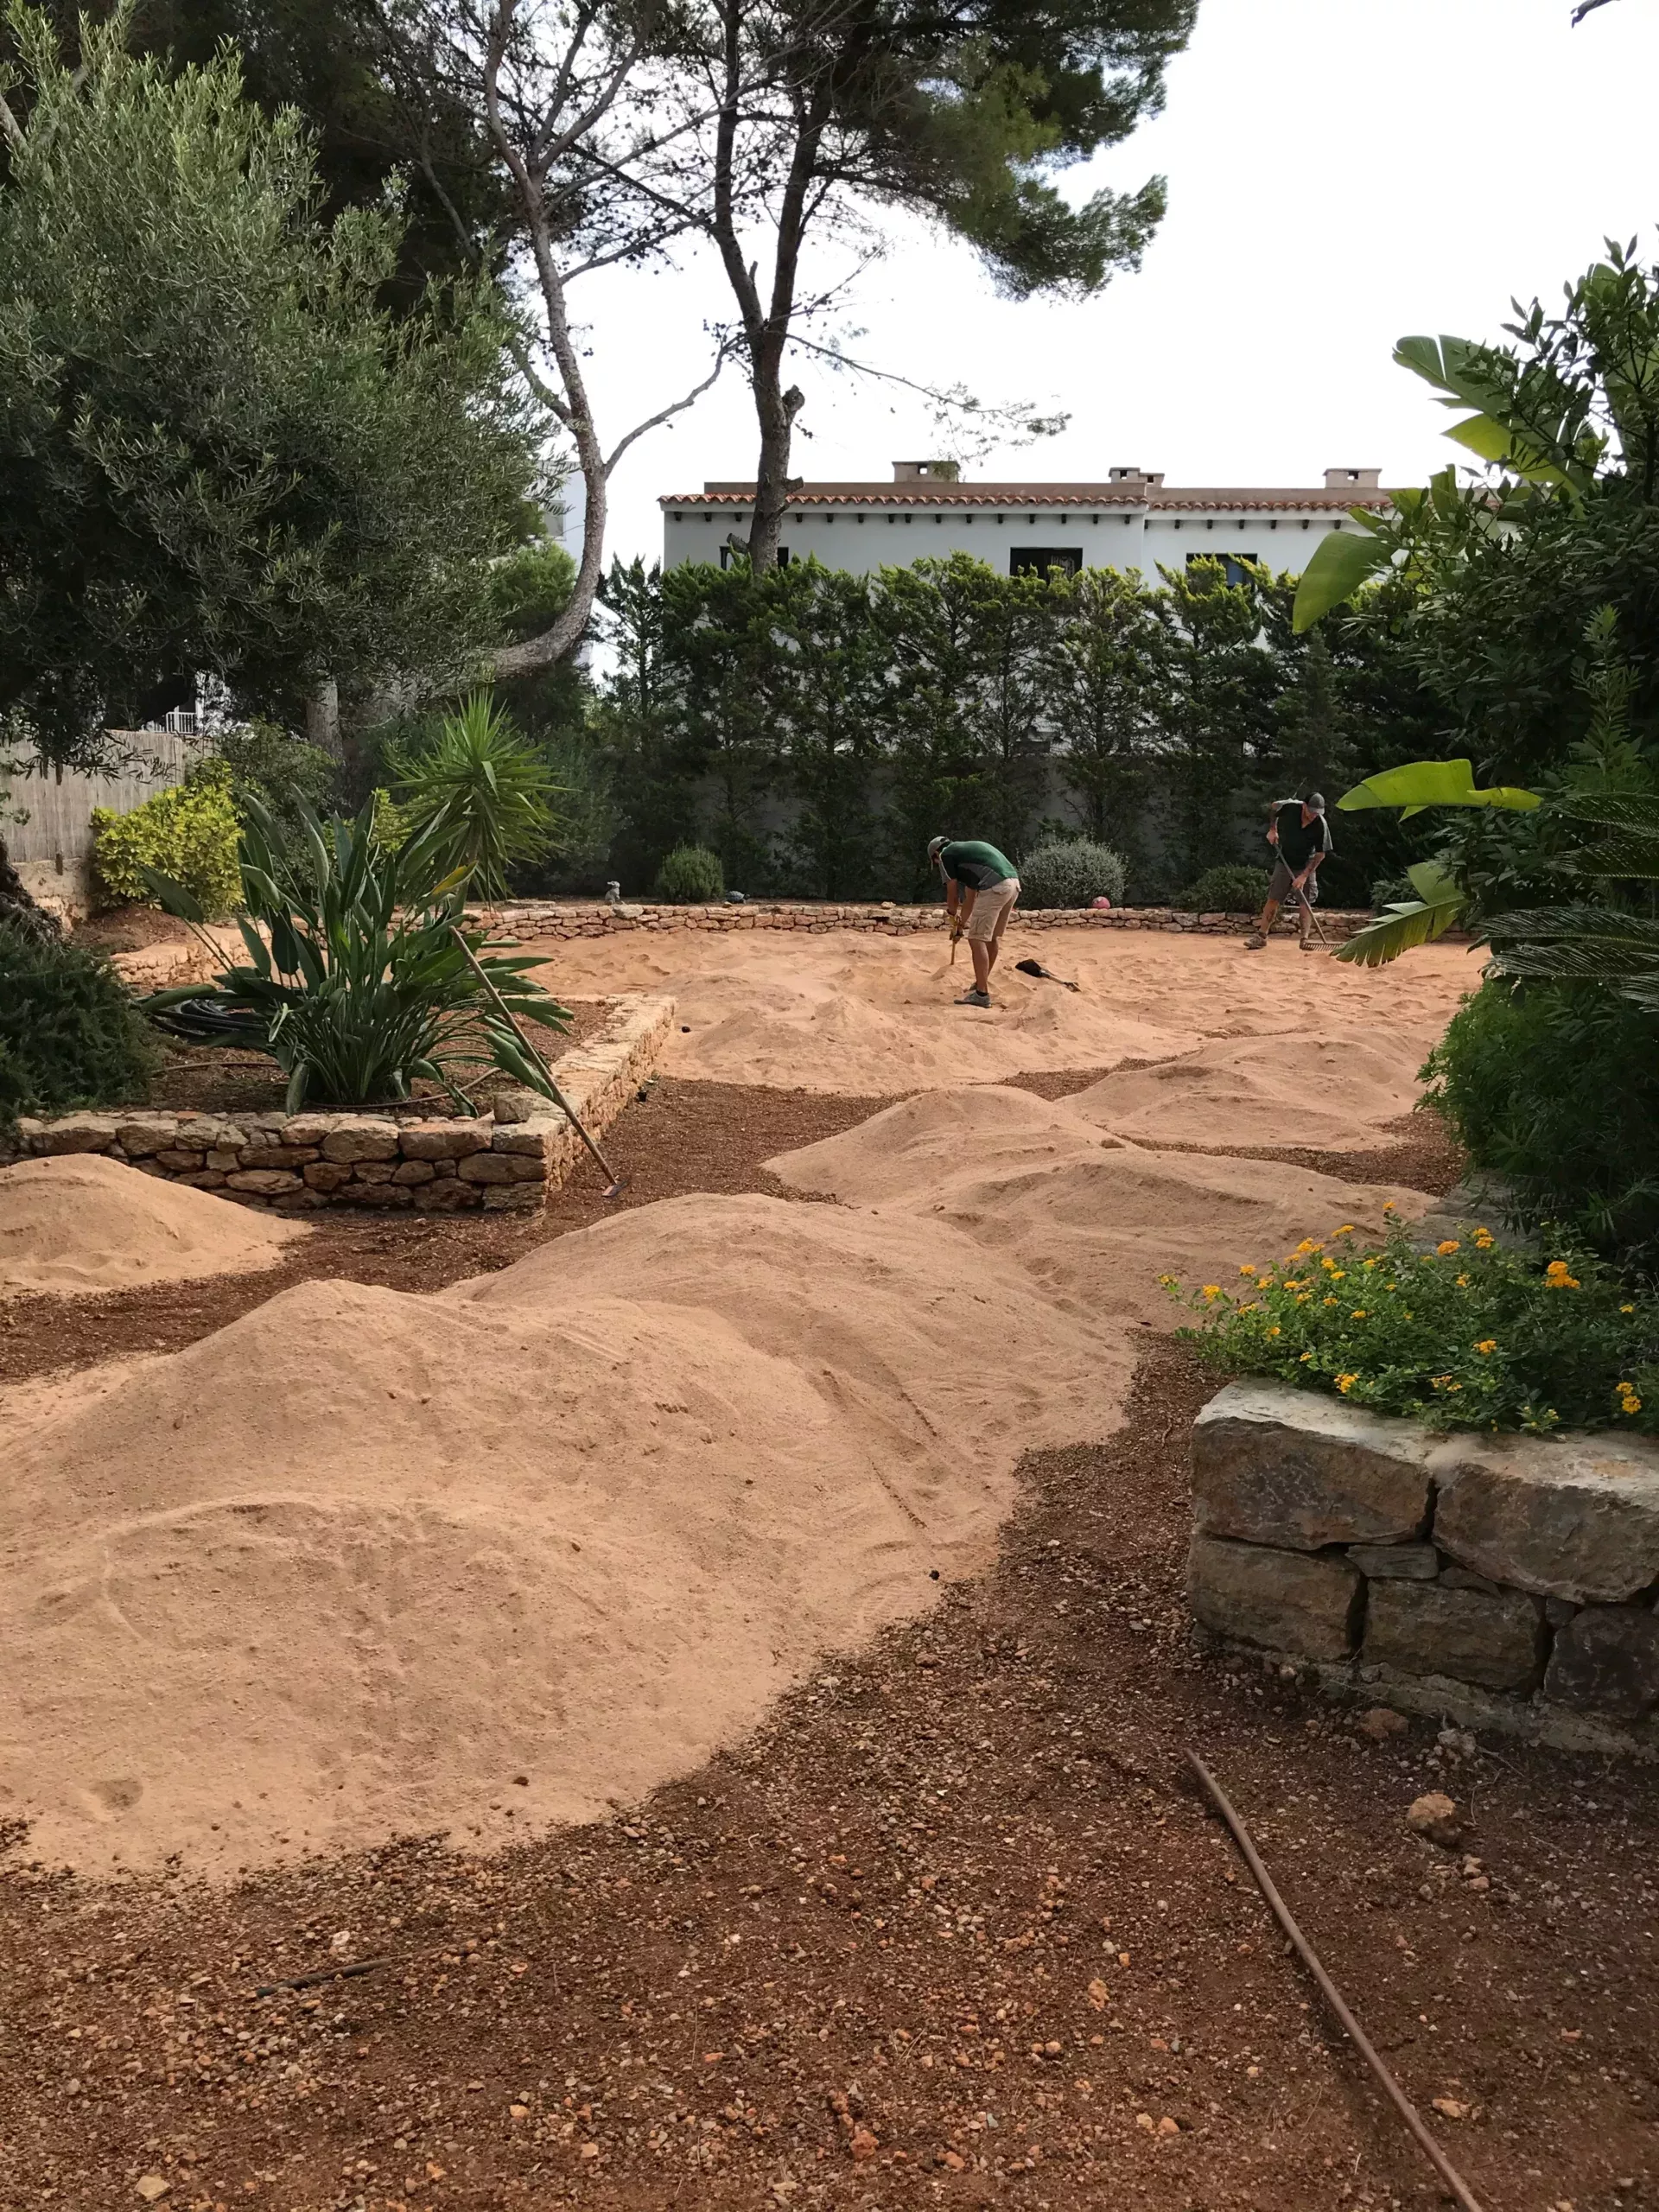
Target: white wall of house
845, 529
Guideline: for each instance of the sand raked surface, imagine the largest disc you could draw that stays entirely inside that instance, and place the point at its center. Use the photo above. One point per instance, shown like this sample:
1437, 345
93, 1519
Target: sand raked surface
77, 1223
365, 1563
849, 1012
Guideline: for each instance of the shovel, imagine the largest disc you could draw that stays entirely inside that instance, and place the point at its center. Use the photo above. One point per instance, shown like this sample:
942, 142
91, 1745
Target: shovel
1036, 968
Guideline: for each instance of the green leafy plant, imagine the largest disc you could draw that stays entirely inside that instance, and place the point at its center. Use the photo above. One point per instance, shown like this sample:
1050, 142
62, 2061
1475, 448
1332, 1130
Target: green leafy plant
1232, 888
280, 770
188, 832
1554, 1087
1468, 1336
357, 982
691, 876
1071, 872
70, 1034
481, 796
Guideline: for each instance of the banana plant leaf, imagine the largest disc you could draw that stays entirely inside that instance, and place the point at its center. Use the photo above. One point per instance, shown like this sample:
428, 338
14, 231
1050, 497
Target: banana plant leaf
1418, 783
1340, 564
1408, 923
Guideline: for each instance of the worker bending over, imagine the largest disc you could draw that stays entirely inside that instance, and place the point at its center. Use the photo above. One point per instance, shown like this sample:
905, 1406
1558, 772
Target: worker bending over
979, 890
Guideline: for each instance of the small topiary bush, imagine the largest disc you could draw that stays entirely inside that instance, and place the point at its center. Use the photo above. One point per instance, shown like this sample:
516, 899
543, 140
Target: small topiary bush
691, 876
1071, 872
1467, 1335
1233, 889
69, 1034
189, 832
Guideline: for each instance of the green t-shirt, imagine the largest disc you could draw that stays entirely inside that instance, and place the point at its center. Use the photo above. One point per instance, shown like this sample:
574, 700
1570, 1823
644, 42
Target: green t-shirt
968, 861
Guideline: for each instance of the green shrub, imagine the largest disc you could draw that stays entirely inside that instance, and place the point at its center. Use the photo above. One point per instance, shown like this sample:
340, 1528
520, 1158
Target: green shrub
282, 773
479, 794
1233, 889
1554, 1087
1071, 872
691, 876
69, 1034
1468, 1336
188, 832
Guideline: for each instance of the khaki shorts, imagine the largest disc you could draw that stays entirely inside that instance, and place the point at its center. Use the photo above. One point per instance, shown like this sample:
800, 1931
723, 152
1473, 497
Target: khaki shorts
992, 908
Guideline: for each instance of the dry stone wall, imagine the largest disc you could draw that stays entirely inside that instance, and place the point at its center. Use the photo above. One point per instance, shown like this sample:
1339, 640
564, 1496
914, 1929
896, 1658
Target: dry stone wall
569, 918
506, 1160
1510, 1581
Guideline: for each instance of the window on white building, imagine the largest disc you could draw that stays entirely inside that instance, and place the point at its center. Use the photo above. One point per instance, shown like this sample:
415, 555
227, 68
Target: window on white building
1237, 566
1038, 560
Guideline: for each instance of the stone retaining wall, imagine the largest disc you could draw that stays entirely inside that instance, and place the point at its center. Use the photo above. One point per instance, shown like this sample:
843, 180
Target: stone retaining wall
1506, 1581
568, 918
394, 1160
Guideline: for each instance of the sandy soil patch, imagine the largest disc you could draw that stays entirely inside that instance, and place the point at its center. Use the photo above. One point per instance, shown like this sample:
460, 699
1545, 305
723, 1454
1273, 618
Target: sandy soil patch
363, 1563
849, 1012
1096, 1221
78, 1224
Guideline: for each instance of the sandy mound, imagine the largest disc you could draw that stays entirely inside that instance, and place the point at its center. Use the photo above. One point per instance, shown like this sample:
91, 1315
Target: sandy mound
855, 1012
1096, 1224
79, 1223
359, 1560
1336, 1093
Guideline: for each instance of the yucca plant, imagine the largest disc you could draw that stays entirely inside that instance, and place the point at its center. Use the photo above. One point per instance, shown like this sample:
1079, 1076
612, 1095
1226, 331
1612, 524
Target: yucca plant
357, 982
482, 796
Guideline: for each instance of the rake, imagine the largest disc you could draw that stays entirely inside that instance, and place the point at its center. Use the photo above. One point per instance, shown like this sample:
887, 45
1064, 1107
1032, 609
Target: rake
1036, 968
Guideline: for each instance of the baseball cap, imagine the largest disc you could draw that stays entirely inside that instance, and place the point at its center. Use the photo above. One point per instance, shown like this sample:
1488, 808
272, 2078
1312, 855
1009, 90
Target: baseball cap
936, 846
1314, 802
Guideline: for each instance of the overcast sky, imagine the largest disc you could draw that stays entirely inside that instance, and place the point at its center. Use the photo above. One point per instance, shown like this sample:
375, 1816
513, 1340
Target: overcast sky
1341, 173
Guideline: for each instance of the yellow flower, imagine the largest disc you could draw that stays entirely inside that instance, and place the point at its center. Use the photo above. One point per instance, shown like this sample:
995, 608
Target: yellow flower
1358, 1314
1272, 1332
1371, 1262
1388, 1205
1439, 1382
1337, 1273
1306, 1356
1486, 1345
1345, 1383
1303, 1300
1556, 1275
1462, 1282
1213, 1290
1347, 1229
1627, 1309
1247, 1269
1306, 1245
1330, 1301
1631, 1405
1450, 1245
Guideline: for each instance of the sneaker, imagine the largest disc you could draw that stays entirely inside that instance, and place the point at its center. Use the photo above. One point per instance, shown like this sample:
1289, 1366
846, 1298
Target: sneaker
975, 998
1255, 942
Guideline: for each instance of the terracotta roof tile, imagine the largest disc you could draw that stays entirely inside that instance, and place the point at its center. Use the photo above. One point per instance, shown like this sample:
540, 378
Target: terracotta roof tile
1154, 499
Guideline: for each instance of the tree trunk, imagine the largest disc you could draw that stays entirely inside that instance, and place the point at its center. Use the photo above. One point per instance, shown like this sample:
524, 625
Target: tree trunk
18, 907
777, 411
323, 719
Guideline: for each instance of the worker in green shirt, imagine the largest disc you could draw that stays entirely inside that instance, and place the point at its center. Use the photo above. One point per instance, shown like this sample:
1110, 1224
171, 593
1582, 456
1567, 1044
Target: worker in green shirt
980, 888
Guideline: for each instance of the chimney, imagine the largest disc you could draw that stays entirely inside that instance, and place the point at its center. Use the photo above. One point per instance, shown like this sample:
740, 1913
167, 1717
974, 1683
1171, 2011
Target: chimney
926, 471
1352, 480
1125, 475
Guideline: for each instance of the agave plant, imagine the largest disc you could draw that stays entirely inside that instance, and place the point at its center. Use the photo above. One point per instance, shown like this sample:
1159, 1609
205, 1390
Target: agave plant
482, 796
1577, 942
358, 982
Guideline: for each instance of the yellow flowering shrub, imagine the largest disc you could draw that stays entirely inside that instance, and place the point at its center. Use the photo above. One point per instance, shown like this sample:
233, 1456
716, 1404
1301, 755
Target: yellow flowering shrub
1467, 1335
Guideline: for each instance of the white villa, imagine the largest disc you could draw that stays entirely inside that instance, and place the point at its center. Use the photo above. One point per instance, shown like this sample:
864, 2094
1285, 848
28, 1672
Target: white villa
1134, 520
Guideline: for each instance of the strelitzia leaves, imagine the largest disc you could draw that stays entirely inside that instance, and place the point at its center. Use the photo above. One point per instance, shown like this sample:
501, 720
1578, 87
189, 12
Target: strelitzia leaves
1407, 924
1434, 783
1341, 563
171, 896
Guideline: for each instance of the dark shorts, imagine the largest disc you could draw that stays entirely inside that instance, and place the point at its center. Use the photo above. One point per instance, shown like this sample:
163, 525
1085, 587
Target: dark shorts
1282, 884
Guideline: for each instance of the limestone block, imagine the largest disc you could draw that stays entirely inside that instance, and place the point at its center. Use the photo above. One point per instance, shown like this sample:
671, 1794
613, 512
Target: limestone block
1568, 1517
277, 1155
442, 1168
1396, 1562
444, 1140
309, 1128
203, 1179
411, 1172
1423, 1628
361, 1138
177, 1161
377, 1194
200, 1132
513, 1197
80, 1133
502, 1168
268, 1182
1273, 1465
1606, 1660
225, 1157
1285, 1599
527, 1137
143, 1139
514, 1104
446, 1198
372, 1171
326, 1174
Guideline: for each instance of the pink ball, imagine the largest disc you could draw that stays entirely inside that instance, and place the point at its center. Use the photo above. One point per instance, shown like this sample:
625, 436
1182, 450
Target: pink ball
1101, 905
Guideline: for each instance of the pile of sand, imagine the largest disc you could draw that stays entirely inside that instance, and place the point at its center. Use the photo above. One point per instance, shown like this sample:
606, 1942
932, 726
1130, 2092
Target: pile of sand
364, 1562
1094, 1220
1334, 1092
861, 1012
79, 1223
